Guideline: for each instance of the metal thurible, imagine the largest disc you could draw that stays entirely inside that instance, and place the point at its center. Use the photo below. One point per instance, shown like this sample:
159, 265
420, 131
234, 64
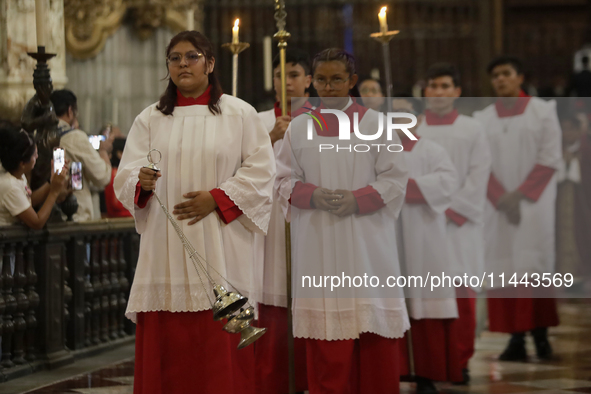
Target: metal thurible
227, 304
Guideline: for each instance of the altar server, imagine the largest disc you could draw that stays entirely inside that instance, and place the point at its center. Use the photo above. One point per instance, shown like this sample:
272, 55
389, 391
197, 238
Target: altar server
344, 209
464, 140
524, 138
424, 250
271, 352
216, 156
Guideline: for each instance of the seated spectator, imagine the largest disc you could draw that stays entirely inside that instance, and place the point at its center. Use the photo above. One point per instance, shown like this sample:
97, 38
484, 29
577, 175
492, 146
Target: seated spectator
96, 166
114, 207
18, 154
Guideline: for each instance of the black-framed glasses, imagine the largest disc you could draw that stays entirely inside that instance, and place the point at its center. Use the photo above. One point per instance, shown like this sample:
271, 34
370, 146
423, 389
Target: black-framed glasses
175, 59
337, 83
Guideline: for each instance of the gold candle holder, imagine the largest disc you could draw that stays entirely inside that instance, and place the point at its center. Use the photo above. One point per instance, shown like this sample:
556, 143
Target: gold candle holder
384, 38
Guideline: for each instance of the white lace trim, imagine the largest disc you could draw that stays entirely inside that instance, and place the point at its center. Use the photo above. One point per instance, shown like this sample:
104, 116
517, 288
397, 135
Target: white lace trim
127, 196
249, 203
170, 298
274, 299
345, 325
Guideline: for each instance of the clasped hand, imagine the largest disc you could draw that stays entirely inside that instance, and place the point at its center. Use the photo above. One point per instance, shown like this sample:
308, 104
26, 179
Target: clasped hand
509, 203
338, 202
199, 205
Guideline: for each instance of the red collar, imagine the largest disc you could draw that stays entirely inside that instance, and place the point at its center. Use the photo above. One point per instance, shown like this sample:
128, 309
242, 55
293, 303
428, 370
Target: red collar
183, 101
408, 144
434, 119
331, 128
517, 109
299, 111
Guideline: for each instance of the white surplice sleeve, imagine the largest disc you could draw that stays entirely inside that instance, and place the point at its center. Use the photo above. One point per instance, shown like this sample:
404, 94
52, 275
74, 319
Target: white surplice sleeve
284, 182
469, 201
251, 187
439, 184
391, 176
133, 159
550, 146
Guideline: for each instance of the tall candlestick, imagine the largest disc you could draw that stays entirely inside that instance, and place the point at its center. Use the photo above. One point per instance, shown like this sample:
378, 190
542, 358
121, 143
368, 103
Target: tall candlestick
268, 61
190, 19
115, 115
40, 16
235, 32
383, 20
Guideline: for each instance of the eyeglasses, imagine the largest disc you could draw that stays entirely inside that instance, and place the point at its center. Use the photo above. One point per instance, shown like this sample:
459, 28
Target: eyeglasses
175, 59
337, 83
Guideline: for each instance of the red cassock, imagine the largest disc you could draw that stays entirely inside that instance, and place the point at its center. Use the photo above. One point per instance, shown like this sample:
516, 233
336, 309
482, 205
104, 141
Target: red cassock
271, 354
361, 366
465, 325
512, 315
441, 347
169, 356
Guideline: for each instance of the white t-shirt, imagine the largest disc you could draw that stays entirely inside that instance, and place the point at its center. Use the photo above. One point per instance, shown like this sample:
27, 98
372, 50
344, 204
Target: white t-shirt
15, 198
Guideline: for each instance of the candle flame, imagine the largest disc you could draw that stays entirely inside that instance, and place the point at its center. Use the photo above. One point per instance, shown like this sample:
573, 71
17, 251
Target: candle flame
236, 22
383, 12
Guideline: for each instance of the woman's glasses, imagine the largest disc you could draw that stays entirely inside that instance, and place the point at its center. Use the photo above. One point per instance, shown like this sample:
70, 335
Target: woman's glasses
175, 59
337, 83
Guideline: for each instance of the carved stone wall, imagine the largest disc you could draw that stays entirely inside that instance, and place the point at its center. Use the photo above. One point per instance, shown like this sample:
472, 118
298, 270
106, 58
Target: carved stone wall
121, 80
89, 23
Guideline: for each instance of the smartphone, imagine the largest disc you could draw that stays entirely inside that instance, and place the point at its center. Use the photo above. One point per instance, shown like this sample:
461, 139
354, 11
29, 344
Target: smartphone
95, 140
76, 175
59, 159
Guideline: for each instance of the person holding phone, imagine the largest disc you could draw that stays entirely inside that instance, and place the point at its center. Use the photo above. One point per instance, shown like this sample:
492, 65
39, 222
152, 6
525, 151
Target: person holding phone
96, 165
18, 154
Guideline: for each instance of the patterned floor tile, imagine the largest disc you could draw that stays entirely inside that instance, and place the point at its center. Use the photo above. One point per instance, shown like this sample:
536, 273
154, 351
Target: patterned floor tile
107, 390
562, 383
122, 379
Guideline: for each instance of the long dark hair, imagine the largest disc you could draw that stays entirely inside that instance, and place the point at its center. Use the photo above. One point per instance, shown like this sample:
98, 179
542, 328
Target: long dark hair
339, 55
16, 146
200, 42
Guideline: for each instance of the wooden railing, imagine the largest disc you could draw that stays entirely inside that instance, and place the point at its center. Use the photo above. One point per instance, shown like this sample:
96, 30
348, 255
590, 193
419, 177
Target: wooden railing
63, 292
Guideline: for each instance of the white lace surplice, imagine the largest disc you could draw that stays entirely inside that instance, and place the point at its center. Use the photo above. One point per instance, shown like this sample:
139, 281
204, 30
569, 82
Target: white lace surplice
517, 144
324, 244
200, 152
425, 249
273, 273
466, 144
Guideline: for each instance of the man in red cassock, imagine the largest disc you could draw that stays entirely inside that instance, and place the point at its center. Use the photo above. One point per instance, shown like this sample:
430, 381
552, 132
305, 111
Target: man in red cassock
524, 138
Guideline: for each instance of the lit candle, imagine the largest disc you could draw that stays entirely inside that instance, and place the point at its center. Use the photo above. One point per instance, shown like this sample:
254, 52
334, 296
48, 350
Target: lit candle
235, 32
40, 15
383, 21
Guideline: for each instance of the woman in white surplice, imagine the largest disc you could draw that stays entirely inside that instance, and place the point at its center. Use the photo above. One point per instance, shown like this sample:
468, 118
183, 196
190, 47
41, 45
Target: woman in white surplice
216, 155
344, 209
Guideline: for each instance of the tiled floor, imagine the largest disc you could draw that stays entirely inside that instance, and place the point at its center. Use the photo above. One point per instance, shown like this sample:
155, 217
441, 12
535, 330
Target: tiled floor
568, 373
